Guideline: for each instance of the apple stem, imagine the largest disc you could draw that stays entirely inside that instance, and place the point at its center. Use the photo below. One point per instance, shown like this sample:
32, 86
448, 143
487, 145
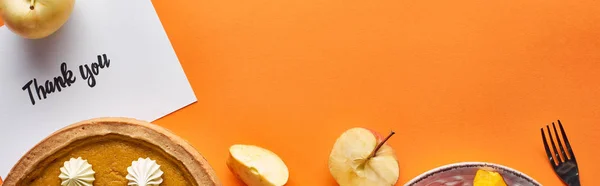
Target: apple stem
380, 145
31, 7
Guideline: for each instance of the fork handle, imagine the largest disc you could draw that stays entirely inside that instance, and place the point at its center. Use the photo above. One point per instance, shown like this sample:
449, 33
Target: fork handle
574, 182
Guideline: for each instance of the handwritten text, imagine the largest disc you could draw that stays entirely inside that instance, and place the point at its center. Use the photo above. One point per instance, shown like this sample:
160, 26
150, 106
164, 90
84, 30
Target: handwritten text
65, 80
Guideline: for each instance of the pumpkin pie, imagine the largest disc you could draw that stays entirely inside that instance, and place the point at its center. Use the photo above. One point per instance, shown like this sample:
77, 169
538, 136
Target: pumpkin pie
112, 151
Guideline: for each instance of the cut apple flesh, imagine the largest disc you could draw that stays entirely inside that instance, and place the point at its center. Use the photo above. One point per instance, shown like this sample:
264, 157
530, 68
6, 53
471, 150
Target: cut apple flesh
257, 166
351, 162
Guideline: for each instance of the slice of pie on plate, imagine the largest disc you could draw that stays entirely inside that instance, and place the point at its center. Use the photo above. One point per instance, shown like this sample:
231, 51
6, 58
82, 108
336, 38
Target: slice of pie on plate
112, 151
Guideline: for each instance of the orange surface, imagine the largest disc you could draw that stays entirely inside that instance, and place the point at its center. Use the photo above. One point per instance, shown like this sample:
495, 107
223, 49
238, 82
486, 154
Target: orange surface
457, 80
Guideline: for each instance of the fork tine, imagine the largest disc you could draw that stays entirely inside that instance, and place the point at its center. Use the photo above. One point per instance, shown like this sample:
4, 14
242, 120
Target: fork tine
558, 160
560, 146
548, 153
564, 135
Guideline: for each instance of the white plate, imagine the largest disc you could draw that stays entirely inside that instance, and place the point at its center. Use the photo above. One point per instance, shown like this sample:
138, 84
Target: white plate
462, 174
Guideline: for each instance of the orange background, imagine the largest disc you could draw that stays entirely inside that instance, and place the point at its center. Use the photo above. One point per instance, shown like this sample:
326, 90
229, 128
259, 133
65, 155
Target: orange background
457, 80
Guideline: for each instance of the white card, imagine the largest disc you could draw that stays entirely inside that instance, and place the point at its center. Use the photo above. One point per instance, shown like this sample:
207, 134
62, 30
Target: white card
143, 79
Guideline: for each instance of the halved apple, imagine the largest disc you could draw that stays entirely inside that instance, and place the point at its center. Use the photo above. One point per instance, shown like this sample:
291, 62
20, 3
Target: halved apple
257, 166
360, 157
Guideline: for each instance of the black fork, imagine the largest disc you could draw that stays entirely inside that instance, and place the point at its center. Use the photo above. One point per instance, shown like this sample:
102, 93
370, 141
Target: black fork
565, 167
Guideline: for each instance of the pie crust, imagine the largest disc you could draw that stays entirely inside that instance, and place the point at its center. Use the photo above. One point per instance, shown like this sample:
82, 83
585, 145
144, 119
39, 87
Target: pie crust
136, 131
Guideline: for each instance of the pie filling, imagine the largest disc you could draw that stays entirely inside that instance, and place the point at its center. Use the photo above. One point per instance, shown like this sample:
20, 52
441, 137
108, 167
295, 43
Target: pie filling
110, 157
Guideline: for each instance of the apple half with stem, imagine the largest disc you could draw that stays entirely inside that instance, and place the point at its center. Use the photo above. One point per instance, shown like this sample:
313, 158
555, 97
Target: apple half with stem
257, 166
35, 19
361, 157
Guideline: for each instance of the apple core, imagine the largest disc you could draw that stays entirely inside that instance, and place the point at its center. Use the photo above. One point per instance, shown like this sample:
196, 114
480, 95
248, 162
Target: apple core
361, 157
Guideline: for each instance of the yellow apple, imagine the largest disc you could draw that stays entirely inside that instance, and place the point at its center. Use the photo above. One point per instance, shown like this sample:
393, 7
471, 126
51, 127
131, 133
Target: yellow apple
257, 166
34, 19
360, 157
